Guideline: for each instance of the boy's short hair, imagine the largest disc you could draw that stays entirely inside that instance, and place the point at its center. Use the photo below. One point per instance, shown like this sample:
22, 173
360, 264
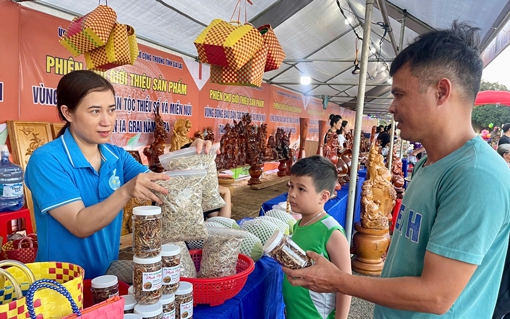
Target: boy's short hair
320, 169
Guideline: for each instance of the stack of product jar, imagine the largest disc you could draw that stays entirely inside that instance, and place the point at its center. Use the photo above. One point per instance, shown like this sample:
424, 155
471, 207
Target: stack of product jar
156, 278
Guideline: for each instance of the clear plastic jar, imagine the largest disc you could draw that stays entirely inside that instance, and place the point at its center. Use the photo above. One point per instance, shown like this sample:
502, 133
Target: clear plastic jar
104, 287
154, 311
171, 264
146, 231
132, 316
286, 252
184, 301
168, 304
129, 303
130, 290
147, 275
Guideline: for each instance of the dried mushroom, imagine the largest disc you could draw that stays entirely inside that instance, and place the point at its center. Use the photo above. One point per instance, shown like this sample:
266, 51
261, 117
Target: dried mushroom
220, 252
146, 235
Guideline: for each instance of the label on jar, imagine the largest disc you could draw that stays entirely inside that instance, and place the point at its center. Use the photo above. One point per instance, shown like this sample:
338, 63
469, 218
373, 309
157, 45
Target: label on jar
292, 254
186, 310
151, 280
14, 190
169, 315
171, 275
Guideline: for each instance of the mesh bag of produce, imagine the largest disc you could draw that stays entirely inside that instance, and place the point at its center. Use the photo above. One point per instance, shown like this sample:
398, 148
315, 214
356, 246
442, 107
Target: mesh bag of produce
188, 159
252, 246
282, 226
188, 269
283, 216
228, 222
261, 228
181, 211
220, 252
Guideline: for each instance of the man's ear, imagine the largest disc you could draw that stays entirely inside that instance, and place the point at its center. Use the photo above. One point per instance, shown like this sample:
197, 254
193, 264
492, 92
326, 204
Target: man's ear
444, 90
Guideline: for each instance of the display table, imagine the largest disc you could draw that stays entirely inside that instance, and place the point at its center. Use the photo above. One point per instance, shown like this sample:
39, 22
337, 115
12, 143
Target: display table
261, 296
336, 207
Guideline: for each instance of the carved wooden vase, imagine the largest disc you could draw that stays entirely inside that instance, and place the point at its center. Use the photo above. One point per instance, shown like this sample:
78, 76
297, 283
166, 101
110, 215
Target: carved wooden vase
323, 127
282, 168
303, 132
255, 172
370, 245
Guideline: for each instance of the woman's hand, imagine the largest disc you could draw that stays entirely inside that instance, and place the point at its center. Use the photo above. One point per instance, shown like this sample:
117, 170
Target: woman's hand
142, 185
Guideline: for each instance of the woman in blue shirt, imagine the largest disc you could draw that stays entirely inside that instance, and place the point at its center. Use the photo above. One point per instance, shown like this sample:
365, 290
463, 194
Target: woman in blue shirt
80, 183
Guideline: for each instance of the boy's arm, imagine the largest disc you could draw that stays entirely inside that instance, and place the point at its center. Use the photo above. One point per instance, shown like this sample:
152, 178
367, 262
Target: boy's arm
339, 254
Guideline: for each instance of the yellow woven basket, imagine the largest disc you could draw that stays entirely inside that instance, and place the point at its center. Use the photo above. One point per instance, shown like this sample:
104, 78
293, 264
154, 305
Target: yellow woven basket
48, 303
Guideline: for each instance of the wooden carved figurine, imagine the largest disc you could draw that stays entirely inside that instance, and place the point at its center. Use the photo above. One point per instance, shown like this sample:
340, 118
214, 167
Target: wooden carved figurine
322, 131
180, 134
397, 178
157, 147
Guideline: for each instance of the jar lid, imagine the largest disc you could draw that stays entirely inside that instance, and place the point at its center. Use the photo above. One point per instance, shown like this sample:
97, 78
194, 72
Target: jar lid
184, 288
167, 299
170, 250
147, 261
132, 316
149, 310
129, 302
104, 281
146, 210
273, 241
131, 290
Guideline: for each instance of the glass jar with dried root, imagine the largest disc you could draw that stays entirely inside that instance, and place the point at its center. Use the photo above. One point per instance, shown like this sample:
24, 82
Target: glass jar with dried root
154, 311
171, 265
184, 300
286, 252
104, 287
168, 304
146, 231
147, 278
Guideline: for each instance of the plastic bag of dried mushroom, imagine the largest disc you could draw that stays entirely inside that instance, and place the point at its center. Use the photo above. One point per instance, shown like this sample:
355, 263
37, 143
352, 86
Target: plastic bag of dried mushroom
189, 159
182, 216
220, 252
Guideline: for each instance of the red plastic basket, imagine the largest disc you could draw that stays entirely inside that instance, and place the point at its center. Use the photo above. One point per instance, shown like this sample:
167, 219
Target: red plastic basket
215, 291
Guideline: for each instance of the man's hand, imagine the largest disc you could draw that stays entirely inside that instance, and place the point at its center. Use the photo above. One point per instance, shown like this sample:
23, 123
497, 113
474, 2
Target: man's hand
320, 277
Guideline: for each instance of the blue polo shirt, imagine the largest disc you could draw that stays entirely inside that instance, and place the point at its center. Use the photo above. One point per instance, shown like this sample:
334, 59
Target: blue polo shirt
58, 174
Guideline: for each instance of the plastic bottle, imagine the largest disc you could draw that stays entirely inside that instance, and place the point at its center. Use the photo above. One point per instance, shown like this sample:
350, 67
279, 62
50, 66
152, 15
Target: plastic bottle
11, 184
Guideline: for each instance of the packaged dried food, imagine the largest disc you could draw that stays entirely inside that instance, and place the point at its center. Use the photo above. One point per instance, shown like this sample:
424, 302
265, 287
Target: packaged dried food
147, 275
189, 159
154, 311
168, 304
146, 231
184, 301
181, 210
220, 252
286, 252
129, 303
188, 268
171, 265
104, 287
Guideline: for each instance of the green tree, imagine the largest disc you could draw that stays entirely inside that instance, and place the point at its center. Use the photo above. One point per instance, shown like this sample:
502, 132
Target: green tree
483, 115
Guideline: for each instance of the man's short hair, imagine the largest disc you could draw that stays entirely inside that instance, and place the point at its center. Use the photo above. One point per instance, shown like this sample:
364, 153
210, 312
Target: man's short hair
452, 53
506, 127
320, 169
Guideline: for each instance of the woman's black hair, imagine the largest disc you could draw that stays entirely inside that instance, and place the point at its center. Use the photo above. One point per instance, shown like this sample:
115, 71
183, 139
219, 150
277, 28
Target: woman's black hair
74, 86
333, 118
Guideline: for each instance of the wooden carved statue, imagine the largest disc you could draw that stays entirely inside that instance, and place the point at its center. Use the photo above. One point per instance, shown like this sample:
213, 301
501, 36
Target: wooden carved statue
270, 153
180, 134
397, 178
157, 147
206, 135
378, 195
331, 147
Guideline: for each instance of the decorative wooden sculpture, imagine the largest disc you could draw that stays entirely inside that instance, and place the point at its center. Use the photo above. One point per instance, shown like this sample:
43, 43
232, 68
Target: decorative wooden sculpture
377, 200
180, 134
303, 132
157, 147
207, 134
397, 178
331, 147
323, 127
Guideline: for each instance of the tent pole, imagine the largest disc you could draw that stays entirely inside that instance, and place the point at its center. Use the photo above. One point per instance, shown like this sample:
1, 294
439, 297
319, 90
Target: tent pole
359, 118
401, 43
